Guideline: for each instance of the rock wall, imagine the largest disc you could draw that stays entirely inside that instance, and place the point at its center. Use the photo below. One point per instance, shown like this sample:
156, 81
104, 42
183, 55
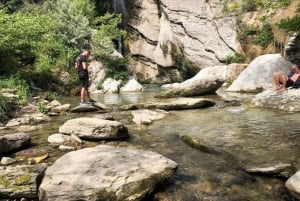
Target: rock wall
164, 34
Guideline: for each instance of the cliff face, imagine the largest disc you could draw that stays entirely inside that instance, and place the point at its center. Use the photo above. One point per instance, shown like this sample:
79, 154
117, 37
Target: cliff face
168, 36
164, 34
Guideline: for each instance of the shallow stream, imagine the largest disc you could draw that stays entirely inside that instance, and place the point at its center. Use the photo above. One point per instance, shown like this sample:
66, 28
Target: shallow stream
251, 136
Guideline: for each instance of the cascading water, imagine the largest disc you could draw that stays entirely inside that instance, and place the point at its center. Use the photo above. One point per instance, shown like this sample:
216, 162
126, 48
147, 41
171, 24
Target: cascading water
119, 7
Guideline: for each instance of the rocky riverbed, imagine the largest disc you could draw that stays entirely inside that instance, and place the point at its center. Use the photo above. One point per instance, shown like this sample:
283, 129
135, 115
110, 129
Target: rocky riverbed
191, 149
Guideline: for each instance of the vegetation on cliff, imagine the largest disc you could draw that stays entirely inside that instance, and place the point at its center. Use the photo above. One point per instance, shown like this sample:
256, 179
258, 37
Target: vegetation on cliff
39, 39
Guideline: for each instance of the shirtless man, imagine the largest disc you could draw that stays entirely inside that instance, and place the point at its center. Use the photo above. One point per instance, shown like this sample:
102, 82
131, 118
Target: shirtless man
282, 81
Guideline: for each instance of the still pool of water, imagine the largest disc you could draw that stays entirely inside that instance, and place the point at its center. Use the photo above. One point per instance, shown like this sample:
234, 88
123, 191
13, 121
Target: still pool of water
252, 136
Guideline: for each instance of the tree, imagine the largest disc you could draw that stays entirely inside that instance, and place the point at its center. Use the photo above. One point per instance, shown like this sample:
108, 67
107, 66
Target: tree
22, 35
107, 30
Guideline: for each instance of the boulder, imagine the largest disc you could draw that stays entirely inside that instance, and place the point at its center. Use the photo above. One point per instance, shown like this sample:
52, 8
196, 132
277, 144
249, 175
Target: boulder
96, 75
13, 142
94, 129
35, 118
84, 108
293, 185
207, 81
7, 161
61, 109
132, 86
287, 100
111, 86
21, 181
147, 116
105, 173
172, 104
258, 75
57, 138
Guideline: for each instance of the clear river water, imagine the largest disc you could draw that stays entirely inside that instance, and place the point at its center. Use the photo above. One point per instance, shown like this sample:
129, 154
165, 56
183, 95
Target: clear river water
251, 136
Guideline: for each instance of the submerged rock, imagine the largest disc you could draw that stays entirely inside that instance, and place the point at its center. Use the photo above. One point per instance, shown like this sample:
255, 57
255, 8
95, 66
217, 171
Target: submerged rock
84, 108
172, 104
147, 116
199, 145
278, 170
105, 173
94, 129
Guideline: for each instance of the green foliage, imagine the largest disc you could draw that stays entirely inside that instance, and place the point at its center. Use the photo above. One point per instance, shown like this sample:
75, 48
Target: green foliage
15, 82
116, 68
265, 36
249, 6
23, 39
107, 31
43, 108
100, 84
236, 58
178, 57
291, 24
265, 4
259, 36
103, 6
52, 95
164, 48
74, 17
11, 5
4, 109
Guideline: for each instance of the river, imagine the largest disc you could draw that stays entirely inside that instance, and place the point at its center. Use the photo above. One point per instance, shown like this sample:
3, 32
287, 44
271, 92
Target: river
251, 136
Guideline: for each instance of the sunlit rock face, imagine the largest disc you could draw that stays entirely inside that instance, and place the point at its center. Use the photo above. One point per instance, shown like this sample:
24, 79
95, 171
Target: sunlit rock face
166, 34
292, 49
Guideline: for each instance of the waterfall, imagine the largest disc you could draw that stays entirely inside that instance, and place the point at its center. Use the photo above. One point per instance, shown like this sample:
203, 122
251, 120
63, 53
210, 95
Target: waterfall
119, 7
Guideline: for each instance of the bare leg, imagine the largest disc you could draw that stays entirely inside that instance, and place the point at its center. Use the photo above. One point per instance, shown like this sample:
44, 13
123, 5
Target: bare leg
276, 80
283, 79
82, 94
87, 93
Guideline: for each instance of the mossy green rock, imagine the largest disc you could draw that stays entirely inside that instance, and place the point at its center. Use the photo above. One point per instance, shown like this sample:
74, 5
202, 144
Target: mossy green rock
21, 181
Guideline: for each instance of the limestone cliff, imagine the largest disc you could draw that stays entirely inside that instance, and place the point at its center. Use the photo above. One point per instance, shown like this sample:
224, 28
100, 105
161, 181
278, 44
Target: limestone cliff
166, 33
167, 37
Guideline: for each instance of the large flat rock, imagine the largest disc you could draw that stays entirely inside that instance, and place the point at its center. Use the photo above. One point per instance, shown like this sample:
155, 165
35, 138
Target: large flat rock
105, 173
172, 104
94, 129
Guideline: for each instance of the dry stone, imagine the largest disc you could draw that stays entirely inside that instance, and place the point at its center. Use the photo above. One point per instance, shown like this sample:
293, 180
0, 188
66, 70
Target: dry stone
105, 173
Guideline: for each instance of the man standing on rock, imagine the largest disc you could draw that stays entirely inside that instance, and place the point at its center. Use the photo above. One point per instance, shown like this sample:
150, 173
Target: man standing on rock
82, 69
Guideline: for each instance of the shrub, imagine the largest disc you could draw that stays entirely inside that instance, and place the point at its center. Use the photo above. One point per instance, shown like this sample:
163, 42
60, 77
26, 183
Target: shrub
3, 108
15, 82
236, 58
249, 6
265, 36
116, 68
178, 57
288, 24
43, 108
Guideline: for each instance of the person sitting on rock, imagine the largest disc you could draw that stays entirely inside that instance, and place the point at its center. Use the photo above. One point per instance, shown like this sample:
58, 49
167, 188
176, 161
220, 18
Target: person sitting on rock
283, 81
